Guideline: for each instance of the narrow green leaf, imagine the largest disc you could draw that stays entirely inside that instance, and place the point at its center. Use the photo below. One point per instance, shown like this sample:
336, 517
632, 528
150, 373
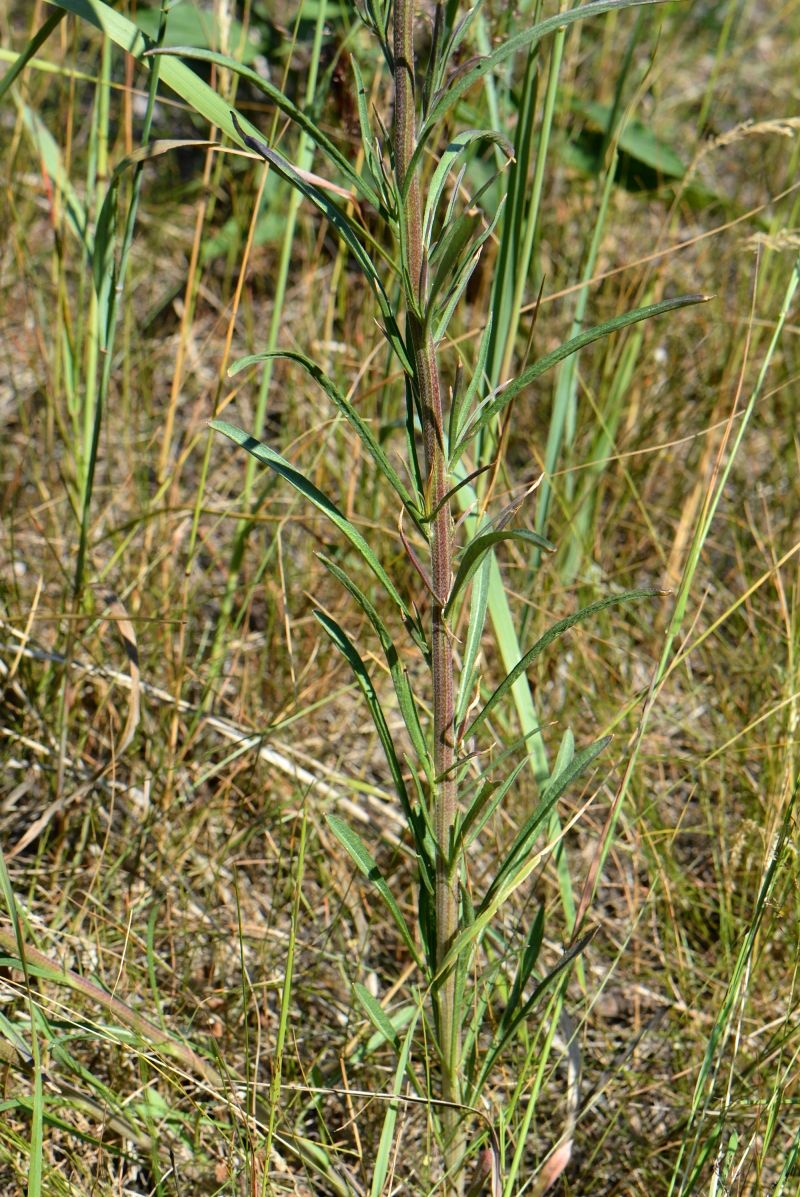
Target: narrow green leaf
405, 697
520, 860
550, 635
384, 1152
505, 1033
501, 397
527, 834
36, 42
460, 143
525, 966
343, 225
354, 660
362, 429
306, 488
483, 806
376, 1015
281, 101
364, 861
463, 402
477, 549
175, 74
52, 161
367, 140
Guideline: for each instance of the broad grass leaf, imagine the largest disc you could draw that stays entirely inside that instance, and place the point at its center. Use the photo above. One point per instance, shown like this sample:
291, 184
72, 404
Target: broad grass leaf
365, 863
281, 466
550, 635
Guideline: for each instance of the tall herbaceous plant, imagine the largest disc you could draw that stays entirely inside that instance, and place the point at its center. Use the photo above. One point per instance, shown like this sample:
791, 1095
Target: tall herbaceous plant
414, 181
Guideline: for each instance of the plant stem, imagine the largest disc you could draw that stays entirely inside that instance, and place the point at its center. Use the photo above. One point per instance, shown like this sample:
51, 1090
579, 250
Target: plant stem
428, 389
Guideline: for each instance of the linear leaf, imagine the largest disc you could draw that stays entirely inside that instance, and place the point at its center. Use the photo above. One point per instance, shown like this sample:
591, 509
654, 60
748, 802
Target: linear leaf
477, 549
405, 697
281, 466
365, 863
343, 225
376, 1014
528, 832
363, 429
550, 635
384, 1152
503, 395
361, 674
483, 806
505, 1032
463, 402
450, 156
281, 101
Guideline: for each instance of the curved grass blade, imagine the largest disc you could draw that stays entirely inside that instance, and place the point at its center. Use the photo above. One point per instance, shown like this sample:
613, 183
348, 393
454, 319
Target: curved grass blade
460, 143
529, 830
281, 101
366, 865
405, 697
550, 635
346, 408
477, 549
343, 226
361, 674
503, 395
306, 488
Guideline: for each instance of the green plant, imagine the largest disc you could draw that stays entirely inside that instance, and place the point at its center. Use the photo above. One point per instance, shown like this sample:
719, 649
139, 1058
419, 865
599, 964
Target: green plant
437, 239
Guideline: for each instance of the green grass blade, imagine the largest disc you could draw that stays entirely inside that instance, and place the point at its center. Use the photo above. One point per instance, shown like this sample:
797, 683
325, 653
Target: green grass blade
344, 226
346, 408
477, 549
310, 492
37, 41
281, 101
550, 635
365, 862
529, 830
383, 1155
402, 688
361, 674
503, 395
